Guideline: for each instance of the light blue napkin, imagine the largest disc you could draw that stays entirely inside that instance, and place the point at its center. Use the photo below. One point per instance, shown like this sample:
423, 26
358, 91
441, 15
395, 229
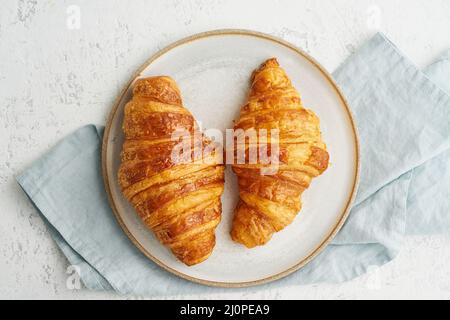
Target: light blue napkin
403, 116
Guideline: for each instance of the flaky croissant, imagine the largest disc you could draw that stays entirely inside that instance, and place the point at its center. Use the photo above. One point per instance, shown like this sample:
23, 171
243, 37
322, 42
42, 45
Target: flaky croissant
270, 202
179, 201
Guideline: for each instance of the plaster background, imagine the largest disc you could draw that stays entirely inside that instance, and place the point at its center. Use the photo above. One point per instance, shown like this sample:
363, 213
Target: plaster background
56, 77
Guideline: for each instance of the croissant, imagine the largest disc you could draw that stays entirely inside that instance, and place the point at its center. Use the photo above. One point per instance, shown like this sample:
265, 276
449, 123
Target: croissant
270, 202
178, 200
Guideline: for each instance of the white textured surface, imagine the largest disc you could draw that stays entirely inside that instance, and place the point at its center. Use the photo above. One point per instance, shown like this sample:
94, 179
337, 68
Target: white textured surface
54, 79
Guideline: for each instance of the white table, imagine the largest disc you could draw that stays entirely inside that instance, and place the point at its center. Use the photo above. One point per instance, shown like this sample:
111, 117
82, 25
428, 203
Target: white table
58, 72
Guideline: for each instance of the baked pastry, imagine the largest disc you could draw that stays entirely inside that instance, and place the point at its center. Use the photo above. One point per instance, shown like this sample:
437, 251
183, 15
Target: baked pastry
270, 201
177, 197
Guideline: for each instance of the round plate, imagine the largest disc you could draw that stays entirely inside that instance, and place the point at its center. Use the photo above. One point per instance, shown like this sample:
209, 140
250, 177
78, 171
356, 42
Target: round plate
213, 70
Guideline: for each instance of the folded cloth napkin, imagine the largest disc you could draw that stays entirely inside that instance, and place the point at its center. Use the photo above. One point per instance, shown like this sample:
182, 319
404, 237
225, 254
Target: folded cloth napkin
403, 116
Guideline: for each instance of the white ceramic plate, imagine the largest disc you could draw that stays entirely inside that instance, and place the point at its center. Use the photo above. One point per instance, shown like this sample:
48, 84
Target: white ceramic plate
212, 70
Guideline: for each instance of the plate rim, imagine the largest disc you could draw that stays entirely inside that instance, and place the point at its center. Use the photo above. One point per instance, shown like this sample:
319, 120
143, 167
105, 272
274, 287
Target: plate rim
327, 239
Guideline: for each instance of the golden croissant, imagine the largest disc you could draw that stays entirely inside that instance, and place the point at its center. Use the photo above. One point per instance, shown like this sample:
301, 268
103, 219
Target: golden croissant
270, 202
178, 200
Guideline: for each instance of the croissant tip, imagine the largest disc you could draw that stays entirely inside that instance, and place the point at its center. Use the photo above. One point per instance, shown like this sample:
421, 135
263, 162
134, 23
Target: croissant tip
272, 62
159, 88
269, 63
191, 263
151, 80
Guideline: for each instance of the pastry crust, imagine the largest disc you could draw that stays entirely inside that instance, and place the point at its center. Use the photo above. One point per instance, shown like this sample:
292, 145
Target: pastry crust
268, 203
179, 201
